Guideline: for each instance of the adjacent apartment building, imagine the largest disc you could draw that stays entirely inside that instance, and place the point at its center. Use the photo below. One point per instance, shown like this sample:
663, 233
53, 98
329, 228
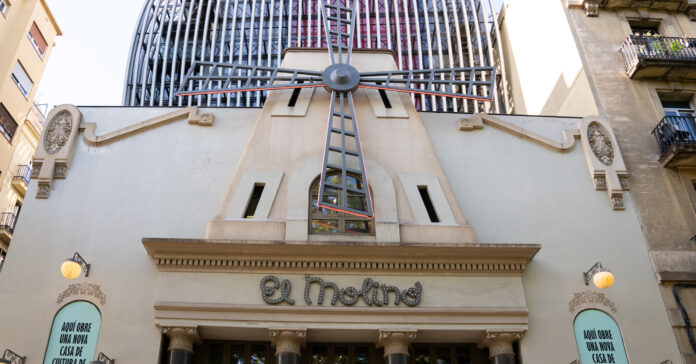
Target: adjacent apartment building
634, 64
27, 34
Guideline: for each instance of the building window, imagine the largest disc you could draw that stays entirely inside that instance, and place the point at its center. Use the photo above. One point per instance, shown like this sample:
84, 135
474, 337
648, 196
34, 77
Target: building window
237, 352
644, 27
679, 123
3, 7
343, 353
442, 353
16, 209
326, 221
8, 125
241, 352
676, 107
254, 200
37, 40
21, 78
428, 203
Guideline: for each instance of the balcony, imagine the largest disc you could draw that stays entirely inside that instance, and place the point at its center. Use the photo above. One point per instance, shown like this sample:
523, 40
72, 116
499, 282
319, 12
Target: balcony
676, 136
658, 57
20, 181
7, 225
592, 6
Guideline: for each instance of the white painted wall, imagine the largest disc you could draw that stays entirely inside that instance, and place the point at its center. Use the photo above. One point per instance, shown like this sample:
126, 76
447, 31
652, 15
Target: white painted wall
514, 191
168, 182
164, 182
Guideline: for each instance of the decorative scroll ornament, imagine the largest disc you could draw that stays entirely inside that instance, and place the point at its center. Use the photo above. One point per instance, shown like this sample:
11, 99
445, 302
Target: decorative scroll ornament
600, 142
182, 338
395, 341
288, 340
88, 289
55, 152
500, 342
590, 298
604, 160
58, 132
601, 150
52, 160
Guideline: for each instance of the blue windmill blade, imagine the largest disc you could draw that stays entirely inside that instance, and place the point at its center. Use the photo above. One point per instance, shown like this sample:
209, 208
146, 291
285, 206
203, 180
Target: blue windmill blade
475, 83
344, 186
339, 24
217, 77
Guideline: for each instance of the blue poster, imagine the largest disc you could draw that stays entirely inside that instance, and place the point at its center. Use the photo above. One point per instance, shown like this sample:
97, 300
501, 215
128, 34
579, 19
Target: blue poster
598, 338
74, 334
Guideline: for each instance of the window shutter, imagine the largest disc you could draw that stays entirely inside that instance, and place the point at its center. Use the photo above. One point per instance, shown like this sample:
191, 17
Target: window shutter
22, 78
38, 38
8, 125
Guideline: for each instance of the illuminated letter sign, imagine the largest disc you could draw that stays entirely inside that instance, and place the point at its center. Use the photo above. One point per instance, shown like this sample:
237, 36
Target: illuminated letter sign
373, 293
74, 334
598, 338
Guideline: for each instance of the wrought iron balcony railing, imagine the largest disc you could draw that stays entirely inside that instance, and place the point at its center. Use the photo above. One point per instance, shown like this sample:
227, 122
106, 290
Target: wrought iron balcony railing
8, 221
640, 51
674, 131
23, 172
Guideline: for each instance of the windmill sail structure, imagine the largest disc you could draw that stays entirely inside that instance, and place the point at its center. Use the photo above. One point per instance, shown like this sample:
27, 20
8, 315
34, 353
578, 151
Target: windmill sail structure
344, 185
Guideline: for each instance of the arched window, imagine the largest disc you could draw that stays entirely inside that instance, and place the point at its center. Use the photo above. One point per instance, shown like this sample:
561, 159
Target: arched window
325, 221
74, 334
598, 338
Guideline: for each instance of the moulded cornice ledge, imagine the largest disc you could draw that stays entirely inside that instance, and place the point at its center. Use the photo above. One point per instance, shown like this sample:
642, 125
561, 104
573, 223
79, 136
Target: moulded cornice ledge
205, 255
478, 119
190, 113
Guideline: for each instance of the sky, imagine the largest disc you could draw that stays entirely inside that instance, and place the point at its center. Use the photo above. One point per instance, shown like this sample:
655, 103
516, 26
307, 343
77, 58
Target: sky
88, 64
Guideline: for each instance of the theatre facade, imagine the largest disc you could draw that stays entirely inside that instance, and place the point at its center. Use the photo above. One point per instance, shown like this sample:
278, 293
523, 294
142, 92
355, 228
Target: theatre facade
205, 243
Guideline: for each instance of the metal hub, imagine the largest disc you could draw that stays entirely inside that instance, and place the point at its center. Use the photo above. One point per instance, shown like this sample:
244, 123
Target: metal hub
341, 77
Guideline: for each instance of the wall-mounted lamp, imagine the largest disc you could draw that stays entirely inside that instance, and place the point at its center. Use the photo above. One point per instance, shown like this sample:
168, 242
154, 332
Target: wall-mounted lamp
103, 359
10, 357
72, 267
601, 277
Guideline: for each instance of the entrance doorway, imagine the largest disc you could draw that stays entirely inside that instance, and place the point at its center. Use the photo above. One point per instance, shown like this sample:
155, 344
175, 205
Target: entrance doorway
241, 352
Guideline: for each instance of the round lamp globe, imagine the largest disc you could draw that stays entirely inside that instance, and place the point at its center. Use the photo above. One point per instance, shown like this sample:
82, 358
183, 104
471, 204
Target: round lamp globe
70, 269
603, 279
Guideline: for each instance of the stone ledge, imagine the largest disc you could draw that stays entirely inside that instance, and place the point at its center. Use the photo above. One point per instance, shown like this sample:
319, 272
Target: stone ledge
204, 255
674, 265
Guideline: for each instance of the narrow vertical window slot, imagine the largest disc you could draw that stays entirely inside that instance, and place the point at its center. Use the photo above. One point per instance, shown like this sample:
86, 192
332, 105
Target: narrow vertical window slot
385, 98
425, 196
254, 200
294, 96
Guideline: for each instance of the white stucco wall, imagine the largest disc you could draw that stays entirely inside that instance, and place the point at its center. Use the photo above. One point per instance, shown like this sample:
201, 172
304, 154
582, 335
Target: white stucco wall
168, 182
164, 182
515, 191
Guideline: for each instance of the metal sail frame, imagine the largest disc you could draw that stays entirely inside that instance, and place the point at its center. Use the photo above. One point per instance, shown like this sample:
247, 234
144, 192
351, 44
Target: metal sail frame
342, 150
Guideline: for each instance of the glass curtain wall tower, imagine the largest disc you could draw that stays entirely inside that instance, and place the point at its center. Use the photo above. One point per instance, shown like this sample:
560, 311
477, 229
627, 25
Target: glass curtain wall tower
171, 34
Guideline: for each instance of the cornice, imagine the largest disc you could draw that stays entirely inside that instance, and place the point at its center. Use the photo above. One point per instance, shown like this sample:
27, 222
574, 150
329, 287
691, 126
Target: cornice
205, 255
